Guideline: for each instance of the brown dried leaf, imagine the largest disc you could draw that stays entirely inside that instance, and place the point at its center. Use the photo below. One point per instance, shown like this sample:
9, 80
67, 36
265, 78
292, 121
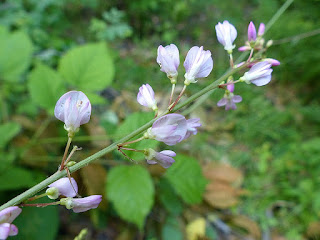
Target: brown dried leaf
247, 224
313, 230
94, 178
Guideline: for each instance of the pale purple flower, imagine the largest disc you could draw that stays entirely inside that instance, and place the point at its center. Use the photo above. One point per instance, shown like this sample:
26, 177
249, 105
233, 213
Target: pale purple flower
272, 61
229, 101
192, 127
230, 87
252, 33
168, 59
63, 187
244, 48
82, 204
198, 64
261, 29
169, 129
164, 158
74, 109
7, 216
226, 34
146, 97
259, 74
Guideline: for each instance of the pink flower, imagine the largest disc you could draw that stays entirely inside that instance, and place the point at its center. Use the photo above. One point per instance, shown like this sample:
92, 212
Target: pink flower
198, 64
259, 74
192, 127
229, 101
7, 216
74, 109
63, 187
82, 204
168, 59
252, 33
169, 129
226, 34
146, 97
261, 29
273, 62
164, 158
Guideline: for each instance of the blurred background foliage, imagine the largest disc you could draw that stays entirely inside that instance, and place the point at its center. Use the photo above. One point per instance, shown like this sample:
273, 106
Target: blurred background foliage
249, 174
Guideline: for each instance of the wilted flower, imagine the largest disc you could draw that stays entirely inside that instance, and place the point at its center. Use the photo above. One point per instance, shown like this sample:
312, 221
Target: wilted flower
259, 74
252, 33
7, 216
168, 59
74, 109
229, 100
164, 158
63, 187
261, 29
226, 34
81, 204
192, 125
169, 129
198, 64
146, 97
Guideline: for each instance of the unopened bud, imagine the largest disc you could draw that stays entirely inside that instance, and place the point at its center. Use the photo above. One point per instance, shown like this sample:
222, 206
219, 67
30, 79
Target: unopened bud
269, 43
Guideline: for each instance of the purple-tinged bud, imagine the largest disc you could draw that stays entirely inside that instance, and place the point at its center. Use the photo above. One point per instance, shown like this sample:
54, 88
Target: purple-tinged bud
230, 87
252, 33
64, 187
192, 127
226, 34
239, 64
74, 109
259, 74
229, 100
244, 48
261, 29
146, 97
169, 129
7, 216
164, 158
82, 204
273, 62
168, 59
198, 64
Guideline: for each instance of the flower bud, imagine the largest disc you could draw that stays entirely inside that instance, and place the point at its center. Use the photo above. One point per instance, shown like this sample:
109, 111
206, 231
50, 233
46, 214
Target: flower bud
226, 34
272, 61
81, 204
244, 48
169, 129
146, 97
198, 64
164, 158
261, 29
269, 43
74, 109
168, 59
259, 74
63, 187
252, 33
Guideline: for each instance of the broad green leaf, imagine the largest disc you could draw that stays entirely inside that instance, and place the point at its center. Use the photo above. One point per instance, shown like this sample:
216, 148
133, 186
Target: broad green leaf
15, 54
131, 191
169, 198
8, 131
38, 223
186, 177
131, 123
88, 67
45, 86
16, 178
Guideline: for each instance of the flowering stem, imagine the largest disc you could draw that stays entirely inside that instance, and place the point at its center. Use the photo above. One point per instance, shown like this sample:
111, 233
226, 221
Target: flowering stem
250, 56
134, 141
231, 60
172, 91
178, 98
75, 148
65, 153
132, 149
38, 204
36, 197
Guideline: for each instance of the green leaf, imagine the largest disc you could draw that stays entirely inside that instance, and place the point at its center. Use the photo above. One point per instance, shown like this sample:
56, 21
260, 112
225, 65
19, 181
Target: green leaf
8, 131
38, 223
131, 123
186, 177
131, 191
16, 178
169, 198
172, 230
88, 67
15, 54
45, 86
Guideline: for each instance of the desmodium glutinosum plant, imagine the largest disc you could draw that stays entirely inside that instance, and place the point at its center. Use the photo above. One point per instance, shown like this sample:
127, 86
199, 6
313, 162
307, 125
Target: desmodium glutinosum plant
169, 127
